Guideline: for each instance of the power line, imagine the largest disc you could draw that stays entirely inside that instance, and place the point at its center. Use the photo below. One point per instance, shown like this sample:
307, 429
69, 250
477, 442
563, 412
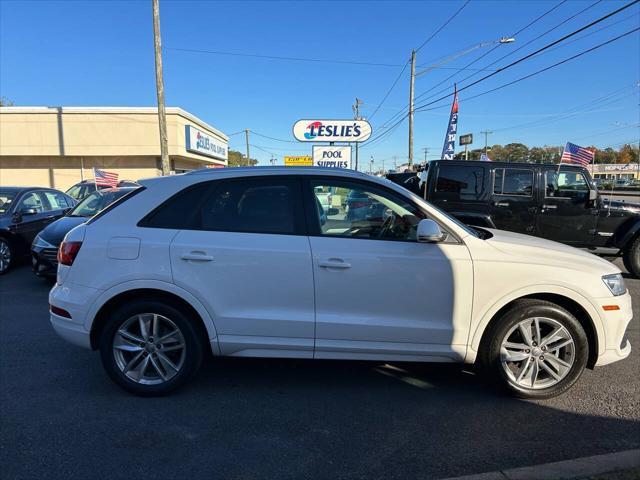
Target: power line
516, 50
424, 106
284, 58
532, 22
273, 138
526, 57
443, 25
389, 91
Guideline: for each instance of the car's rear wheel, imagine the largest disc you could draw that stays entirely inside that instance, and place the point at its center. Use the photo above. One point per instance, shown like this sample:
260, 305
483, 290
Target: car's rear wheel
536, 350
150, 348
6, 255
631, 258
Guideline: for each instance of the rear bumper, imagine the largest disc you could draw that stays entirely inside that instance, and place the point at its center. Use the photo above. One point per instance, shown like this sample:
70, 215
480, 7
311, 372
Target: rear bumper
71, 332
75, 299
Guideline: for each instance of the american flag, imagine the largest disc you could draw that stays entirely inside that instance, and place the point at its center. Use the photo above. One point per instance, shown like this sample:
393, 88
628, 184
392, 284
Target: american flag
104, 178
576, 154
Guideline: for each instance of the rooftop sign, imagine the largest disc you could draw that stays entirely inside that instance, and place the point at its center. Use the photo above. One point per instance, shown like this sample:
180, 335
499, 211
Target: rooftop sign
332, 130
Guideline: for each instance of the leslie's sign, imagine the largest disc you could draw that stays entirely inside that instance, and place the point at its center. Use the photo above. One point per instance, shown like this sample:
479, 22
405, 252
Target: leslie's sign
200, 142
332, 130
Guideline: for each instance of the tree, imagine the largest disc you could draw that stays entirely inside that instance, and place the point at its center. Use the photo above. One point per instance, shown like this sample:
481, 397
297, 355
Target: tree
5, 102
236, 159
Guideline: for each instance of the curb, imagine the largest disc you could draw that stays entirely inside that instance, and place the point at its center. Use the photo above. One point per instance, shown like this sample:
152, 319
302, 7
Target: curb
579, 467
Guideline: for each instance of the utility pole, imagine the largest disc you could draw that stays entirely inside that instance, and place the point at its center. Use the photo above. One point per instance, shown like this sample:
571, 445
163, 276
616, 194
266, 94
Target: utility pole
162, 118
371, 166
412, 81
395, 163
356, 112
426, 151
246, 136
486, 134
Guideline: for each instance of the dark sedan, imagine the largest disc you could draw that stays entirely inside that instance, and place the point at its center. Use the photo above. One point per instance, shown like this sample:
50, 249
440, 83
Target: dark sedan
44, 250
24, 211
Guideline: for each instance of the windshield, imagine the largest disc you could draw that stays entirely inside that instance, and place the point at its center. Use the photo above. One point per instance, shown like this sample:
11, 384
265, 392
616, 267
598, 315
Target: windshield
6, 198
96, 202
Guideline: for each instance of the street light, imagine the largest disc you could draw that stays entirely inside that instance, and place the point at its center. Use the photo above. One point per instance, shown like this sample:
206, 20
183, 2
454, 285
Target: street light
450, 58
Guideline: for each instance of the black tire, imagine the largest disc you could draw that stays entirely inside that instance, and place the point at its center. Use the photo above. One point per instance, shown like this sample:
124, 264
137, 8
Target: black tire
192, 352
490, 356
6, 266
631, 257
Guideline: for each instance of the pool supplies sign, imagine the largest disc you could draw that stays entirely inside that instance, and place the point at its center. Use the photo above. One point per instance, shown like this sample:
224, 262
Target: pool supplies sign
197, 141
332, 130
332, 156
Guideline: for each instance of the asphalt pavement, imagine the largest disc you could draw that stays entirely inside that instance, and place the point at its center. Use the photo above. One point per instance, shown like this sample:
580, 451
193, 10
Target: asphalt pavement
61, 417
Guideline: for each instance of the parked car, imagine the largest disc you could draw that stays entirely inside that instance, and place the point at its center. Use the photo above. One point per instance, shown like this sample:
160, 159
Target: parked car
324, 198
24, 211
535, 199
623, 182
86, 187
238, 261
44, 249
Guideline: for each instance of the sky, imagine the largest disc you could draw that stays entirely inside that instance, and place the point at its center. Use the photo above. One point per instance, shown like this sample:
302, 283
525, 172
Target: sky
100, 53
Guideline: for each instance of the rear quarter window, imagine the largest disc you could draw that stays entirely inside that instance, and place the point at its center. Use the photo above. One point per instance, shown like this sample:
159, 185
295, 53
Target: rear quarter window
458, 182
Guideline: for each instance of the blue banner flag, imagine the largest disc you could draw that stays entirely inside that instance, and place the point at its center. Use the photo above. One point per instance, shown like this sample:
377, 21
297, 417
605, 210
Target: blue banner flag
450, 139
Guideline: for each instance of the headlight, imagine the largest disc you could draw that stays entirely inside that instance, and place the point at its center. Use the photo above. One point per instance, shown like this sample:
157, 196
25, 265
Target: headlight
615, 283
39, 242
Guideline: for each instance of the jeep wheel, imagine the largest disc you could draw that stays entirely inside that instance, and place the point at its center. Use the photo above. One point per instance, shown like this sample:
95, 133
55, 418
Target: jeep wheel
631, 257
536, 350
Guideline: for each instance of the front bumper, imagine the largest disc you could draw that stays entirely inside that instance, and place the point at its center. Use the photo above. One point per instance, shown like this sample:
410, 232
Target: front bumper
615, 324
44, 261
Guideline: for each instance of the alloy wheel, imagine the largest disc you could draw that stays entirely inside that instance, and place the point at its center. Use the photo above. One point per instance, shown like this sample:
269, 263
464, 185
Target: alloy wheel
5, 255
537, 353
149, 349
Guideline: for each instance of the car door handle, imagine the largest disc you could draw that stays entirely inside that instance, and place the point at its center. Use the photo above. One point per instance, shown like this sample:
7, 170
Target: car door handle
333, 263
502, 204
549, 207
197, 257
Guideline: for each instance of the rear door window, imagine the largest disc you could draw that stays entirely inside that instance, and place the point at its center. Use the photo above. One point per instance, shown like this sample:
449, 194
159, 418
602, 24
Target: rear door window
458, 182
513, 182
56, 199
269, 205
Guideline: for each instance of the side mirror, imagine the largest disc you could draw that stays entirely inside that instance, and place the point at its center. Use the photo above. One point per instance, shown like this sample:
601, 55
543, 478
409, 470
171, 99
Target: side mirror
28, 211
429, 232
593, 195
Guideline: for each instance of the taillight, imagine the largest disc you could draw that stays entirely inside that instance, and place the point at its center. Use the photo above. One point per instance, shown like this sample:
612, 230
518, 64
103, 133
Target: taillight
67, 252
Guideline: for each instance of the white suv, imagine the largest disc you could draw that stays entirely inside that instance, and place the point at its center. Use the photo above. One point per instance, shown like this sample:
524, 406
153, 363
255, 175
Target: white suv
247, 263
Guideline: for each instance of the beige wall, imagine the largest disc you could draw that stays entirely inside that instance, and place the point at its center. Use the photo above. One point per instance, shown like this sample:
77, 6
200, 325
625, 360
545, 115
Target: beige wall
61, 173
94, 132
45, 146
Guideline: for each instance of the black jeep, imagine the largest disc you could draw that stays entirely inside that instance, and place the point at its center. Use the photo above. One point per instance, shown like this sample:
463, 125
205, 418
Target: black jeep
536, 199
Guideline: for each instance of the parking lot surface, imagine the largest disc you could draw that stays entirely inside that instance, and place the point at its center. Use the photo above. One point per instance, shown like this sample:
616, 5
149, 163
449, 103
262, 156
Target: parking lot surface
61, 417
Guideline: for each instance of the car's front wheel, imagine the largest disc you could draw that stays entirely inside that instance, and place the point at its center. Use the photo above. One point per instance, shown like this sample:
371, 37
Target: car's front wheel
631, 258
536, 350
6, 255
150, 348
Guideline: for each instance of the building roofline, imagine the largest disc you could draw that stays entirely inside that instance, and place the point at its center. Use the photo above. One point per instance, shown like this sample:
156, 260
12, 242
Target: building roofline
143, 110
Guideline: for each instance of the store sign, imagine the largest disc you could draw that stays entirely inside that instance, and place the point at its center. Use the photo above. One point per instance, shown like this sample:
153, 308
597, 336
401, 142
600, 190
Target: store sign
299, 161
332, 156
202, 143
466, 139
332, 130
